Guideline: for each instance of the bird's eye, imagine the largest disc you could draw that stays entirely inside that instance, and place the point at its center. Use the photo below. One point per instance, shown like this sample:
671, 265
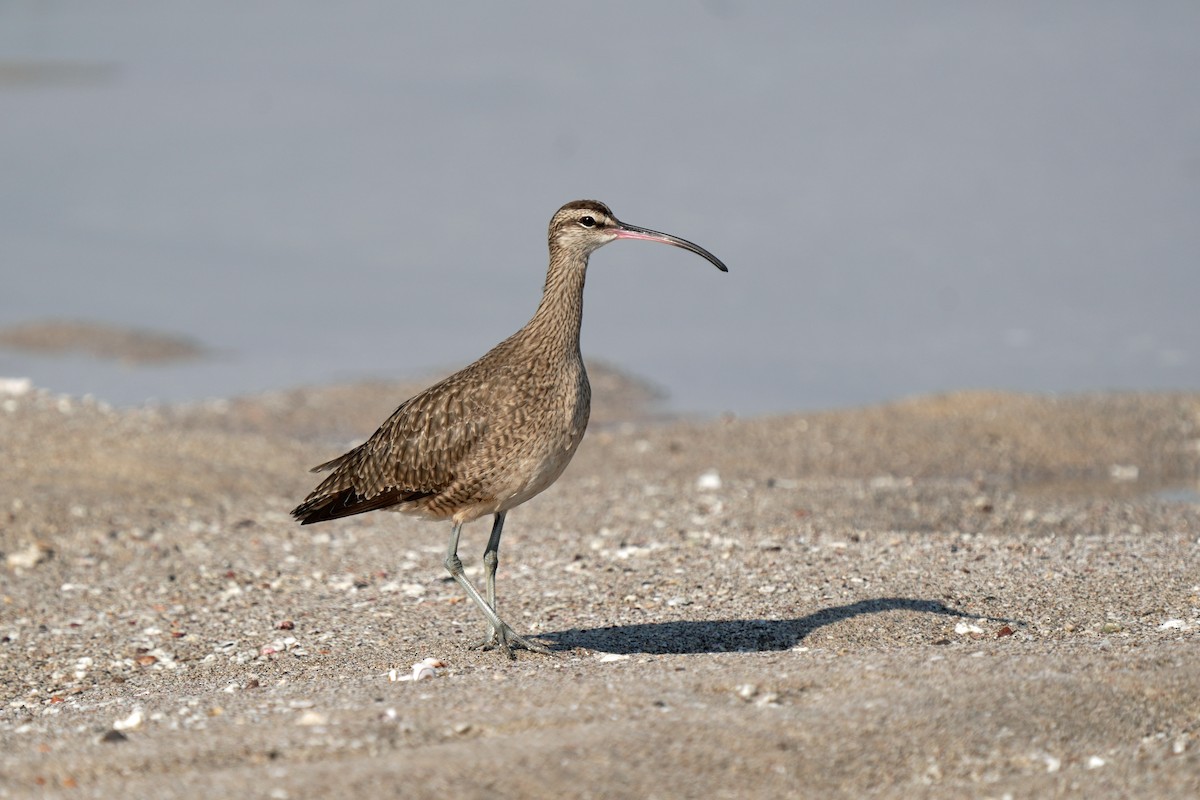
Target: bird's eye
587, 222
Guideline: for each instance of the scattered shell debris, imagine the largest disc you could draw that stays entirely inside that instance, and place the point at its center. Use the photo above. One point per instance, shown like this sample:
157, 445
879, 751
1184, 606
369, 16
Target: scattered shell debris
167, 620
288, 644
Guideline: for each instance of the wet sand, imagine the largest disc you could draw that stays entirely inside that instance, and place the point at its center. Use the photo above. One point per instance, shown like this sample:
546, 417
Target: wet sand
971, 595
99, 340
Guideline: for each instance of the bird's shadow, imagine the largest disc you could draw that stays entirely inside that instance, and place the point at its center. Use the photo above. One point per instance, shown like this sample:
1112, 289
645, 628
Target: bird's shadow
734, 635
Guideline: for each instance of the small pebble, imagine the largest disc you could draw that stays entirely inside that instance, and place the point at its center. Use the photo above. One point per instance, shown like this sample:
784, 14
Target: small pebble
1123, 472
312, 719
29, 557
709, 481
767, 699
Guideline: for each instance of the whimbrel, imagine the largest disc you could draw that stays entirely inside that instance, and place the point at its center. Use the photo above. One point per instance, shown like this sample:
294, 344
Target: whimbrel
496, 433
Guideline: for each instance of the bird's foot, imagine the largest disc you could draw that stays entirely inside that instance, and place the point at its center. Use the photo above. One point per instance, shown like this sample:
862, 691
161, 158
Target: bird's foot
508, 640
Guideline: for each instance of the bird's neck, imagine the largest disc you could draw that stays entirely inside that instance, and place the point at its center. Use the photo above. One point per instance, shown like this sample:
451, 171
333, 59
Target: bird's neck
556, 323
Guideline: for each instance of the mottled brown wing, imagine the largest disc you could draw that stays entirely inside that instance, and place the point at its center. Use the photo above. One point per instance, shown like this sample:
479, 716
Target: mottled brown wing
416, 453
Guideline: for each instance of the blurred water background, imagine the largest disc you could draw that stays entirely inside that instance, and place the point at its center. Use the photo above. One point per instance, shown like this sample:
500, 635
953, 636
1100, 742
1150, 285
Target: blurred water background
911, 197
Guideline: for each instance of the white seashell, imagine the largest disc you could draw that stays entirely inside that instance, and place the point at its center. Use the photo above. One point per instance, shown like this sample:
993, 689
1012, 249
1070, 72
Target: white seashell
132, 722
422, 670
427, 668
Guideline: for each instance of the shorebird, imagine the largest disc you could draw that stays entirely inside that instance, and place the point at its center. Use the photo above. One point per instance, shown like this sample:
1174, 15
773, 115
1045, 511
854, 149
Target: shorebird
496, 433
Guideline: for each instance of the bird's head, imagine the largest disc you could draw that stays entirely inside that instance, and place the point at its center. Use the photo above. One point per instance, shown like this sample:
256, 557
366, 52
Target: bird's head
581, 226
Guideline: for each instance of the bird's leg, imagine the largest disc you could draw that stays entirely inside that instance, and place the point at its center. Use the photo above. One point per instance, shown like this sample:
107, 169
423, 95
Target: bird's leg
491, 558
505, 637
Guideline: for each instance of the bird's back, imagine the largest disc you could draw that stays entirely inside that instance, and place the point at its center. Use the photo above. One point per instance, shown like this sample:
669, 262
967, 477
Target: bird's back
483, 440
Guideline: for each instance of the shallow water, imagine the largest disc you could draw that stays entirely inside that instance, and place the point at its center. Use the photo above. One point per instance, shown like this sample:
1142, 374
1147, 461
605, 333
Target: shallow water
909, 200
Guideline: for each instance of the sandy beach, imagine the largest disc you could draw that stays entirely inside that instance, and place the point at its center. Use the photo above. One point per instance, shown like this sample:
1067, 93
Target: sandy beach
939, 260
967, 595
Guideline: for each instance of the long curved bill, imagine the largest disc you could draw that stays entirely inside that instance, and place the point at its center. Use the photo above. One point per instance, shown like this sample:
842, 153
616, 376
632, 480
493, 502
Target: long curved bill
627, 231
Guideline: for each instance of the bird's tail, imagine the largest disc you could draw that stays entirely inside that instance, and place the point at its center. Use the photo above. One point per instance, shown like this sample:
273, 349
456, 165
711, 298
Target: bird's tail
321, 506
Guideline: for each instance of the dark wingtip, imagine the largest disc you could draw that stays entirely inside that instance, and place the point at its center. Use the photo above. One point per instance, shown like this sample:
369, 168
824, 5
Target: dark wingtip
348, 502
305, 514
320, 509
